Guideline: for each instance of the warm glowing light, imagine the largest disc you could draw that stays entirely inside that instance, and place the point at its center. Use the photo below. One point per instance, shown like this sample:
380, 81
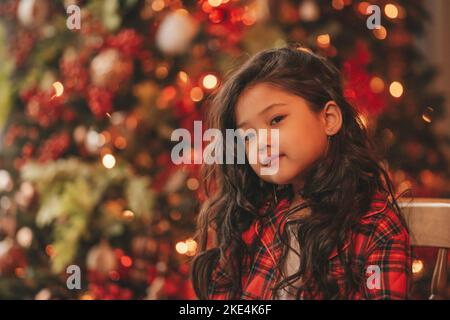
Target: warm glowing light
210, 81
192, 184
417, 266
396, 89
391, 11
86, 296
109, 161
162, 71
183, 76
377, 84
338, 4
181, 247
191, 245
427, 116
59, 88
128, 214
214, 3
20, 272
158, 5
196, 94
126, 261
120, 142
362, 7
323, 40
103, 138
380, 33
49, 250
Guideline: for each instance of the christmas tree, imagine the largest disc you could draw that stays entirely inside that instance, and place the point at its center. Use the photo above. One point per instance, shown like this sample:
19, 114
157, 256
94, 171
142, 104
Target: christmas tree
91, 91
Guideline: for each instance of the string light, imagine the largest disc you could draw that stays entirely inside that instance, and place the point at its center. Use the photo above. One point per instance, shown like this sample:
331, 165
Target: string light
376, 85
209, 81
59, 89
183, 76
391, 11
158, 5
192, 184
214, 3
196, 94
188, 247
380, 33
338, 4
181, 247
362, 7
109, 161
161, 71
120, 142
191, 247
128, 214
396, 89
323, 40
417, 266
427, 116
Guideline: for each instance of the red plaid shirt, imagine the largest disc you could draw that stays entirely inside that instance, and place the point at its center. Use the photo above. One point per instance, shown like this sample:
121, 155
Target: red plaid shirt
380, 240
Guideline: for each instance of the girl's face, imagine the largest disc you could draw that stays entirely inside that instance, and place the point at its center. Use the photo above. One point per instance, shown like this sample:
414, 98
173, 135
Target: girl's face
303, 134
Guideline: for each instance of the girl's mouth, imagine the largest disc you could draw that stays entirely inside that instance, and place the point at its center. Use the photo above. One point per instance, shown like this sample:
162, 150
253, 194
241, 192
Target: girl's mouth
270, 161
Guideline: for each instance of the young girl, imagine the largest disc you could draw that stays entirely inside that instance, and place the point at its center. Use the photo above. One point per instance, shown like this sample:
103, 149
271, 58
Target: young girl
326, 225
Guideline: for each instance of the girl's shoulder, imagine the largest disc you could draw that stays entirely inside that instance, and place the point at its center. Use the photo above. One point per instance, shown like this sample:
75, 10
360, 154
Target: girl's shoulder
382, 224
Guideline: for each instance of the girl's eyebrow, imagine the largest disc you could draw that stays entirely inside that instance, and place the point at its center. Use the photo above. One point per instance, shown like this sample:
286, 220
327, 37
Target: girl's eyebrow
270, 106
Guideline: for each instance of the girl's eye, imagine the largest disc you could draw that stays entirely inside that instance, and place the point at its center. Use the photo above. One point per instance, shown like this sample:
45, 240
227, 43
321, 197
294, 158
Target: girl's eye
276, 120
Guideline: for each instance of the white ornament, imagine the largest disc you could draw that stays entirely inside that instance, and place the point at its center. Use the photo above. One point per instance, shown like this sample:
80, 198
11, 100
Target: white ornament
110, 68
44, 294
101, 258
24, 237
176, 32
32, 13
5, 181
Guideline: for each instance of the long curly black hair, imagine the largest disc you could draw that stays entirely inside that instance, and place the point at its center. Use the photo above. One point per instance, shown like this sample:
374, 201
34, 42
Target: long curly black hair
337, 190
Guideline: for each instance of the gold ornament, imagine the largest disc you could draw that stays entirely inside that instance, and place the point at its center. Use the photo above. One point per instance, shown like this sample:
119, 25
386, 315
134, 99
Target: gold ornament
101, 258
110, 69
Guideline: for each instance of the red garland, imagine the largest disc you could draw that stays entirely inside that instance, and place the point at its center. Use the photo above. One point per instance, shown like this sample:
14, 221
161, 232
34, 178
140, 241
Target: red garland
357, 85
43, 106
100, 101
128, 41
54, 147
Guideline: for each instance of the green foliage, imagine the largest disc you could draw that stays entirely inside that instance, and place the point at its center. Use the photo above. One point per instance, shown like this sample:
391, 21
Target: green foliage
71, 190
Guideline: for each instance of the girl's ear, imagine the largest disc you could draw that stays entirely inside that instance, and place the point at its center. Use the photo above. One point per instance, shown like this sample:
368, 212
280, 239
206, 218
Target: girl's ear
332, 117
